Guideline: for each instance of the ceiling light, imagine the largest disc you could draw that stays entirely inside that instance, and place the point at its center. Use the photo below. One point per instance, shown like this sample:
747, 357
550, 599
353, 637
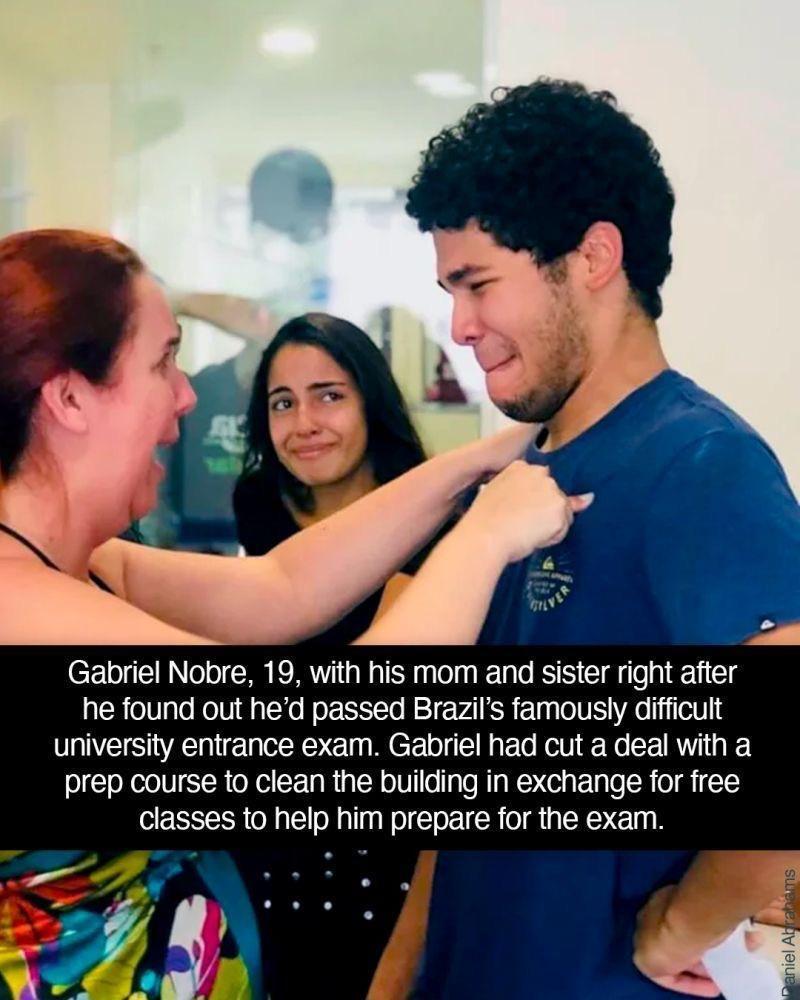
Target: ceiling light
288, 42
444, 83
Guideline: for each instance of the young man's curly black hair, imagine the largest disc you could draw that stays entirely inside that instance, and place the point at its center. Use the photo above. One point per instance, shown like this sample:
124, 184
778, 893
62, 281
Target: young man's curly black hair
537, 165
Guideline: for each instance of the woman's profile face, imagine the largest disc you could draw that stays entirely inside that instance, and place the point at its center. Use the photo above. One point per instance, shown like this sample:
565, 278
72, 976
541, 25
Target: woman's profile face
316, 416
138, 410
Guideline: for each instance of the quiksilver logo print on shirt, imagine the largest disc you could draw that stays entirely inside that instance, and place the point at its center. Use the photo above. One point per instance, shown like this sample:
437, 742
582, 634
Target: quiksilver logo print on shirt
549, 581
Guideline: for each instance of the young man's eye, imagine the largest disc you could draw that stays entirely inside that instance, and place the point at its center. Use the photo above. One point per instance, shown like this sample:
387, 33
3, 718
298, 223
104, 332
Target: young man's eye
476, 286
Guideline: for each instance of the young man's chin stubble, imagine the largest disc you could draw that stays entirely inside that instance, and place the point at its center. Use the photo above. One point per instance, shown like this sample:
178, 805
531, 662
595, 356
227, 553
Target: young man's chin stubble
537, 406
565, 345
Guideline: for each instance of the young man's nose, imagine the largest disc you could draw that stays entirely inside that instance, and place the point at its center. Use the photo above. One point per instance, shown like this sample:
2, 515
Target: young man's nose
464, 327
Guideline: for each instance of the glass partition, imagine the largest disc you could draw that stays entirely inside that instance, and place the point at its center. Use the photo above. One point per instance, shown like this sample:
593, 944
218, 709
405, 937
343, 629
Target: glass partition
256, 154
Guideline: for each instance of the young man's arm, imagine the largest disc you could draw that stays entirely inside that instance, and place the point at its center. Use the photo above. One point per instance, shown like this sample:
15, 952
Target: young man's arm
721, 888
788, 635
680, 923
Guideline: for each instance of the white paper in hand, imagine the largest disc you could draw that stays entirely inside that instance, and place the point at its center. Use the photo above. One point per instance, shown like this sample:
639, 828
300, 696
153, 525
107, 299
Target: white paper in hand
739, 973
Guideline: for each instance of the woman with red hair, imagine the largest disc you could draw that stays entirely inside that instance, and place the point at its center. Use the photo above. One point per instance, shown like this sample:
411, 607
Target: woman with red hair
89, 388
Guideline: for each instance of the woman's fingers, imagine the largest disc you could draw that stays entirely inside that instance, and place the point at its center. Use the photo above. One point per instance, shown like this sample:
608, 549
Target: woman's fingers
526, 510
581, 501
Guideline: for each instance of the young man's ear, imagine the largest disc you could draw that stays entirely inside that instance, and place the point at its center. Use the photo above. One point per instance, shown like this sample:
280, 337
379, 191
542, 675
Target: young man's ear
64, 396
601, 252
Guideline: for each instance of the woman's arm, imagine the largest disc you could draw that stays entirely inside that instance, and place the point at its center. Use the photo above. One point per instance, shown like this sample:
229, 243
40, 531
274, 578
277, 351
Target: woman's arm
395, 586
521, 509
314, 578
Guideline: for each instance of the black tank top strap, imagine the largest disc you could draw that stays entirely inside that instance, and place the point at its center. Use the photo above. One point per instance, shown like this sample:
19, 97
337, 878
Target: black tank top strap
100, 582
28, 545
96, 580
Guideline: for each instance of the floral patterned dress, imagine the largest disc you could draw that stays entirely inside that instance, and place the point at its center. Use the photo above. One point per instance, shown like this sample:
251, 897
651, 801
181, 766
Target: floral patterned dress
84, 925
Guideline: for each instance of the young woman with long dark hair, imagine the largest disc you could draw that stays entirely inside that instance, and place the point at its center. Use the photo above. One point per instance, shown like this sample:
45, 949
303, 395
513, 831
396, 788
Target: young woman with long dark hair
326, 425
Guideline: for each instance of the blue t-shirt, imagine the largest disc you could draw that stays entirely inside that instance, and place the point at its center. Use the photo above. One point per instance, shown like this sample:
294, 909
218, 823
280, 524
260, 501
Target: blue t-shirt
547, 925
693, 537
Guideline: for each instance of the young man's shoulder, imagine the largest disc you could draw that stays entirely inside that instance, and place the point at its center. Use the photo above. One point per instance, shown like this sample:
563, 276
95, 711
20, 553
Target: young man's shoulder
690, 421
667, 425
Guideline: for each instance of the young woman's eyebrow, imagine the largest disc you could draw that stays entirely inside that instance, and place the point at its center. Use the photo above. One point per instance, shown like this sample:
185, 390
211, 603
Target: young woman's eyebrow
311, 385
325, 385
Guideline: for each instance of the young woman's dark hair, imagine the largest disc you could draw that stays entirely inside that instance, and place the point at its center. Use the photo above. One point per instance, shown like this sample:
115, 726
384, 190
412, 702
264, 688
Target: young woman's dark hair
393, 446
67, 301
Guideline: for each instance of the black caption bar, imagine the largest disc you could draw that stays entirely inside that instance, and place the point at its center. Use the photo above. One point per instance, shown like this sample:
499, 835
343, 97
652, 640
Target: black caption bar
450, 746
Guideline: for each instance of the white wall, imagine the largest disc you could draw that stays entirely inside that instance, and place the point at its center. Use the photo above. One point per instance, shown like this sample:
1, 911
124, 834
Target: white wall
26, 114
717, 85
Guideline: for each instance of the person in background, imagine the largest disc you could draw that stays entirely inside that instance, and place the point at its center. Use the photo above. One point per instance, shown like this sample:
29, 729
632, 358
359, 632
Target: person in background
290, 196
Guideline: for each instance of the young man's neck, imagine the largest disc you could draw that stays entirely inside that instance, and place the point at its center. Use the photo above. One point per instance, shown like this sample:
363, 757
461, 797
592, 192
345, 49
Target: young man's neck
632, 358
